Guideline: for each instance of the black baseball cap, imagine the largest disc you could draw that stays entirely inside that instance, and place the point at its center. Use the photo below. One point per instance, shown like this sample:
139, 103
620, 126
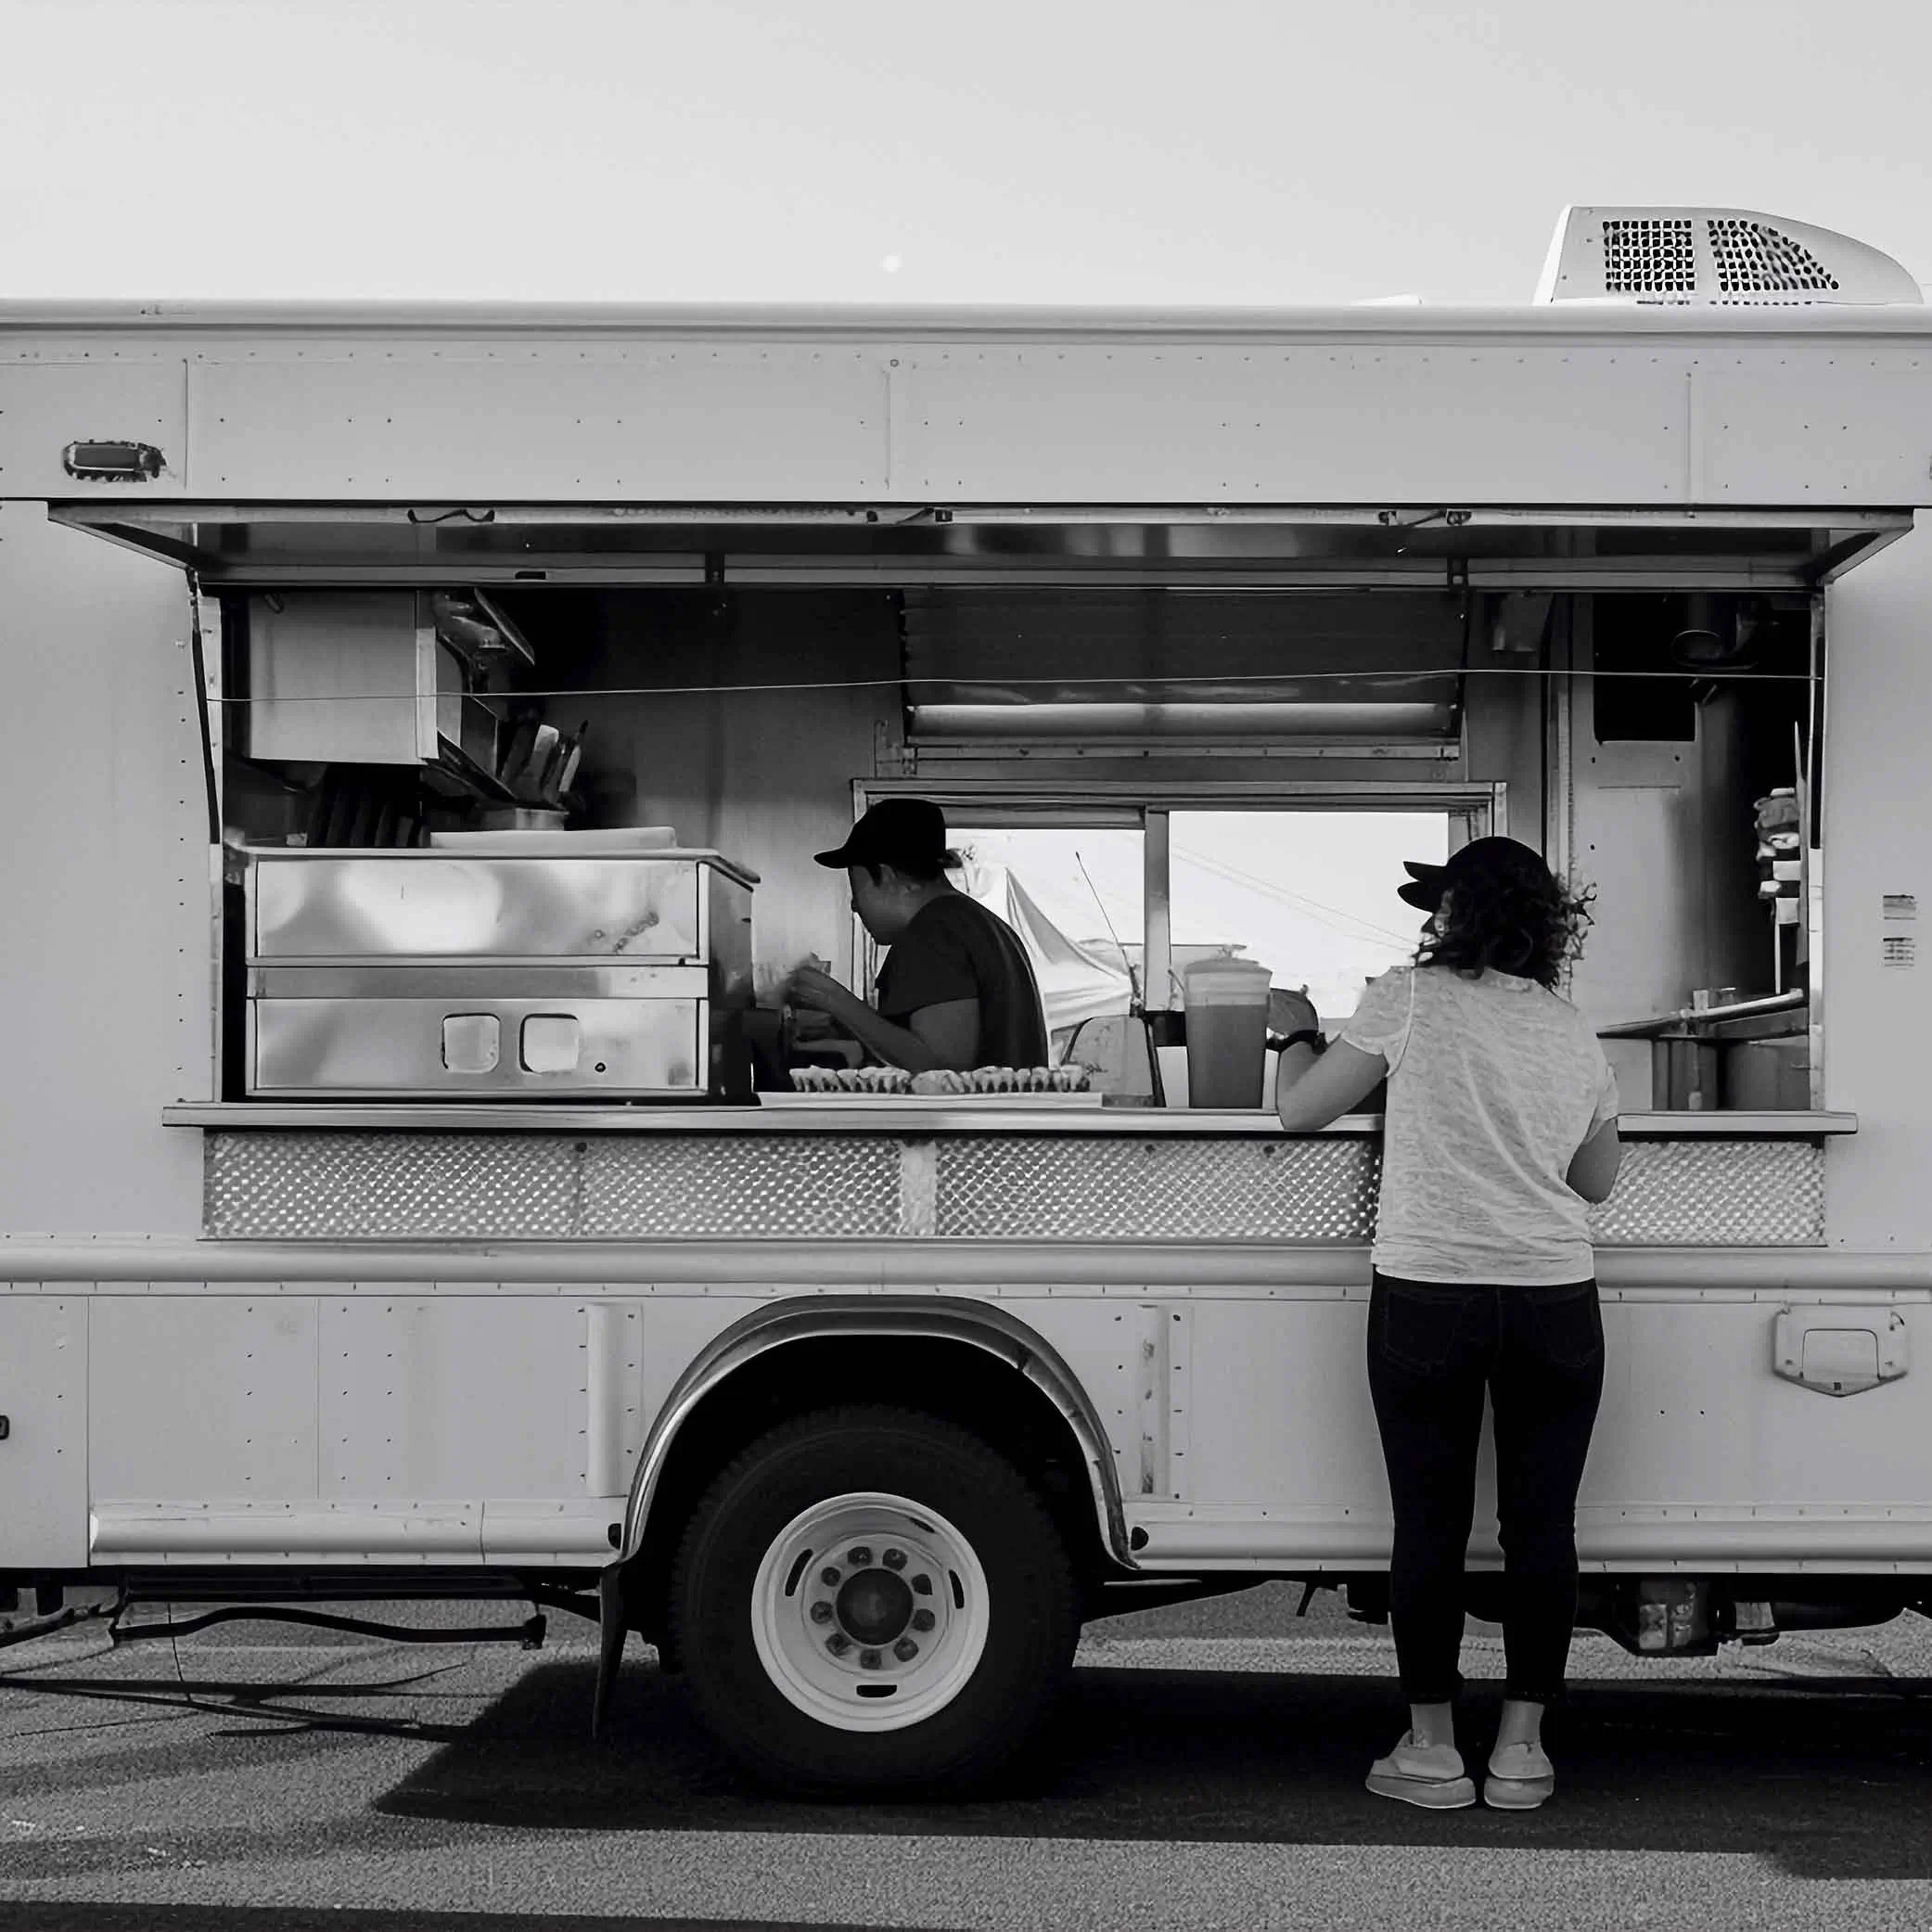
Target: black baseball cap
909, 833
1481, 858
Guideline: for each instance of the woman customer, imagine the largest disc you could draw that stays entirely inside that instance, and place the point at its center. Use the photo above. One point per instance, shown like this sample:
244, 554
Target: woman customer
1501, 1128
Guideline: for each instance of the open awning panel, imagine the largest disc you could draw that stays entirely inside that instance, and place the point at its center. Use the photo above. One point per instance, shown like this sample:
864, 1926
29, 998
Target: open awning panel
1415, 547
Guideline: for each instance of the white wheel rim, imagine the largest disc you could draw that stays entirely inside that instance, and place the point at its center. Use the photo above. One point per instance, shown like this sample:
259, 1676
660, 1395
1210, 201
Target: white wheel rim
837, 1650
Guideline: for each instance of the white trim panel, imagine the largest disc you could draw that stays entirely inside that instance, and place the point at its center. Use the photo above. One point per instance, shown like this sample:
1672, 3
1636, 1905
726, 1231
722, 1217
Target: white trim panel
318, 1532
1694, 1536
1367, 418
680, 420
575, 1532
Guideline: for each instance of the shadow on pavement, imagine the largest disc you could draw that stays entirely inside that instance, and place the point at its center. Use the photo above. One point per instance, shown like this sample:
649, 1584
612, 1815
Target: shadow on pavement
62, 1915
1827, 1780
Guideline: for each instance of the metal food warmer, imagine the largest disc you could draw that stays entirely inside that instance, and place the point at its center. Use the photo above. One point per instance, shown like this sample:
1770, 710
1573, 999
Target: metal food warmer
414, 973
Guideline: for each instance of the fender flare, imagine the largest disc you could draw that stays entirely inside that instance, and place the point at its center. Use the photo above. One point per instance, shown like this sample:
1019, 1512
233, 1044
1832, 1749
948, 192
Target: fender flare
818, 1317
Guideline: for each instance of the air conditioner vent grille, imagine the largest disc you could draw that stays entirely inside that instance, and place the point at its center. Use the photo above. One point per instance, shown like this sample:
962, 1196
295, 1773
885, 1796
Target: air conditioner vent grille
1690, 256
1752, 258
1648, 257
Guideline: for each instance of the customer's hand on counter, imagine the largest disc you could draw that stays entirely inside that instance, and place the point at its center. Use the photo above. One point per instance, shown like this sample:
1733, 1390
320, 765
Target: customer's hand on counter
1291, 1012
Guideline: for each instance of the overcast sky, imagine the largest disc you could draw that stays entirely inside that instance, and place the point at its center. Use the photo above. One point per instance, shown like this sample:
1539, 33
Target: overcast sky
987, 151
1310, 894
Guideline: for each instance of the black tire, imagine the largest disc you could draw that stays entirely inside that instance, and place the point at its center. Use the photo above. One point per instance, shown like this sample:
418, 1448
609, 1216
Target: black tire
1032, 1618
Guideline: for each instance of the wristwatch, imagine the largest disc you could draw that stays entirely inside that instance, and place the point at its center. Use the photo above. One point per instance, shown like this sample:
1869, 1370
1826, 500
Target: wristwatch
1302, 1036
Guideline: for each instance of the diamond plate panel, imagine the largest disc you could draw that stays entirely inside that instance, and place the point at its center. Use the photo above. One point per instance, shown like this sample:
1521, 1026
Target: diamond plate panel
1715, 1194
1708, 1194
1025, 1187
298, 1186
730, 1185
352, 1186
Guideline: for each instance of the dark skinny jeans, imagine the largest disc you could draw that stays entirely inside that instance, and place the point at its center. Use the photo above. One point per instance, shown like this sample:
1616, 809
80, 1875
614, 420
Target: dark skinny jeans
1432, 1349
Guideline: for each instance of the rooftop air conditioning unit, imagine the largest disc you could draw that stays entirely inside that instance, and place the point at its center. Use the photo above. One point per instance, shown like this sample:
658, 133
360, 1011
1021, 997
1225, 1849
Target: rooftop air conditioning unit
1713, 258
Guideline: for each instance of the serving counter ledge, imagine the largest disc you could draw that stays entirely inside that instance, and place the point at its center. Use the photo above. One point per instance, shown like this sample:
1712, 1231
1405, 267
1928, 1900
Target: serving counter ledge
902, 1117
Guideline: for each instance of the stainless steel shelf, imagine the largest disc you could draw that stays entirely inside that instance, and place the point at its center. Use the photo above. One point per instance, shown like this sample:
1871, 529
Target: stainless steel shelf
903, 1119
1726, 1123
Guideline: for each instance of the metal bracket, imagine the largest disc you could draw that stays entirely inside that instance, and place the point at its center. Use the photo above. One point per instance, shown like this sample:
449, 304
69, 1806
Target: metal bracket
51, 1616
890, 759
613, 1627
918, 1189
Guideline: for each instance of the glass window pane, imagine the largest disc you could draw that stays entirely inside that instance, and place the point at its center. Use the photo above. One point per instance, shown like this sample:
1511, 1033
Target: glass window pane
1310, 894
1075, 898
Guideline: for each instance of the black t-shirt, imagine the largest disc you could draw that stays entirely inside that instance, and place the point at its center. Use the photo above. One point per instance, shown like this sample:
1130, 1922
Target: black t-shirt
954, 949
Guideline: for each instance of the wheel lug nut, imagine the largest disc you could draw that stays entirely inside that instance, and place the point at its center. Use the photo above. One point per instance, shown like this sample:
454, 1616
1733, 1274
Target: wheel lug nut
922, 1586
906, 1650
923, 1620
869, 1660
860, 1557
839, 1643
831, 1579
895, 1559
821, 1613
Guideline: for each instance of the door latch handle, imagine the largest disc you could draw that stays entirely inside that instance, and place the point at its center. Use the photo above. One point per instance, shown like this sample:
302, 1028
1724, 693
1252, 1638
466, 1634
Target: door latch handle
1839, 1351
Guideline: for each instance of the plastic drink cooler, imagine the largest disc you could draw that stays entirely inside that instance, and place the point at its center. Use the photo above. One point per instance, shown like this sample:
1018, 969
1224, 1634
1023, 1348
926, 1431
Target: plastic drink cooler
1226, 1002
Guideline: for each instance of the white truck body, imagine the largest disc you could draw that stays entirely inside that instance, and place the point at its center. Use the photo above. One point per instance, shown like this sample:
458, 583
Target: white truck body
263, 1394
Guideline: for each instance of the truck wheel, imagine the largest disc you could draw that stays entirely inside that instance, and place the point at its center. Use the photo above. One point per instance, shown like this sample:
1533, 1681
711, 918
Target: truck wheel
871, 1600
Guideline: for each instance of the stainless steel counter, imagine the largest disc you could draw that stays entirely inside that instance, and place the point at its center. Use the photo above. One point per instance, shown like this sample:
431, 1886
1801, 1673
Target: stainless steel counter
907, 1119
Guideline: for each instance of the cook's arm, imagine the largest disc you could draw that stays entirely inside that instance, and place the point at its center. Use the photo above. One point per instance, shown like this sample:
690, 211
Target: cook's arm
945, 1035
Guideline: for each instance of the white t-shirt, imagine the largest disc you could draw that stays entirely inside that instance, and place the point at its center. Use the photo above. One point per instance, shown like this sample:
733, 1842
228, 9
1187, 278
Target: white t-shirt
1493, 1085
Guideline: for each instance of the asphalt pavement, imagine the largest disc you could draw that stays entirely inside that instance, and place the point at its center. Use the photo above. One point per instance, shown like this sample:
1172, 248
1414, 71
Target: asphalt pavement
1204, 1771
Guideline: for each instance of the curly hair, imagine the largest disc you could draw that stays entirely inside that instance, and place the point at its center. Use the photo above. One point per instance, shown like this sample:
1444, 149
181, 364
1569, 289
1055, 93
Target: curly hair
1528, 926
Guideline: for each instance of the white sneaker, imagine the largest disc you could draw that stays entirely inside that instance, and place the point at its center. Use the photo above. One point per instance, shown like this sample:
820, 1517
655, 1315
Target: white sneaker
1520, 1778
1429, 1775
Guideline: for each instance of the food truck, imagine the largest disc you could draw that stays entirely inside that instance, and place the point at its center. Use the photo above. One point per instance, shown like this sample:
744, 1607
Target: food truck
432, 713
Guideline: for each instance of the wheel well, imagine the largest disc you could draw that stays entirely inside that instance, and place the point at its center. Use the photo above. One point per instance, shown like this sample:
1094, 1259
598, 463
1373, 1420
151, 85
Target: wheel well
952, 1380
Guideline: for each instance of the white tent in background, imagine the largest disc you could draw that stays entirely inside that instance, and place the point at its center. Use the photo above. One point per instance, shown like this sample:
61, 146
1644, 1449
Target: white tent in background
1075, 984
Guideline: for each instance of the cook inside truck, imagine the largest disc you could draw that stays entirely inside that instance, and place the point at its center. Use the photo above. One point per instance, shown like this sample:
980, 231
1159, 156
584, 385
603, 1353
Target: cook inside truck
956, 990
